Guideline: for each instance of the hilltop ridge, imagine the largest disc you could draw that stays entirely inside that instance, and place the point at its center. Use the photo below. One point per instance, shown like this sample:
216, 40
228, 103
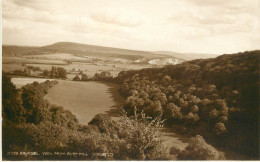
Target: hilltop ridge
89, 50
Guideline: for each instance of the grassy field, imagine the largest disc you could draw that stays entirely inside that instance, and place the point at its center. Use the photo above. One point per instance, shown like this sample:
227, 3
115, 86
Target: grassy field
85, 99
56, 56
24, 60
12, 67
91, 68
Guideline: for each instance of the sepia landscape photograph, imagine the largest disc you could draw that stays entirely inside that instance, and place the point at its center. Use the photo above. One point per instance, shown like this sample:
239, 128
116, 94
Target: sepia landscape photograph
130, 80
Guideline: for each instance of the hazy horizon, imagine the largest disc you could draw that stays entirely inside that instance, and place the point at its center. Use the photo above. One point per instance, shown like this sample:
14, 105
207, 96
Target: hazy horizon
188, 26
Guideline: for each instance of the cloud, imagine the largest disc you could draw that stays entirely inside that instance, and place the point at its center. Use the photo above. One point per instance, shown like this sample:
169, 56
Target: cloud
218, 18
117, 18
224, 3
14, 11
184, 26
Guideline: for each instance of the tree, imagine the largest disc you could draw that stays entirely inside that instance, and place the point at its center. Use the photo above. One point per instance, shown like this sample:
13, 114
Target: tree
76, 78
32, 96
220, 128
53, 72
105, 124
84, 77
58, 72
154, 109
12, 108
61, 73
46, 73
172, 111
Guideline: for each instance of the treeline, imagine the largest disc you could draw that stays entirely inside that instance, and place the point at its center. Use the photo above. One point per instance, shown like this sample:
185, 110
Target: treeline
31, 124
55, 72
27, 71
217, 98
103, 76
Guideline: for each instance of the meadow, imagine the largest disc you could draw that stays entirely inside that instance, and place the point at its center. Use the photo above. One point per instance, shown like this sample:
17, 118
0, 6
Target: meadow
84, 99
56, 56
23, 60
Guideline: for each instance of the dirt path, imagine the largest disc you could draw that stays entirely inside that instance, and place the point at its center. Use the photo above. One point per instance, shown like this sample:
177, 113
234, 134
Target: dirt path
174, 140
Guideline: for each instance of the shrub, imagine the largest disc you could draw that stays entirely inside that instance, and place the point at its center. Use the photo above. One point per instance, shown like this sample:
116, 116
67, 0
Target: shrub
142, 139
105, 124
219, 128
76, 78
198, 149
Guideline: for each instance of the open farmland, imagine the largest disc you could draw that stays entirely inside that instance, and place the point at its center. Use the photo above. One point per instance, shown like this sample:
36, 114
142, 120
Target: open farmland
12, 67
73, 63
85, 99
79, 59
56, 56
22, 60
91, 68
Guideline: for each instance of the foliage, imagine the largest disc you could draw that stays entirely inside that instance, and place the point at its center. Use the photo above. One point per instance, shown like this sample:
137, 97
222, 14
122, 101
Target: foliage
134, 138
55, 72
104, 75
76, 78
12, 109
84, 77
203, 93
198, 149
33, 102
104, 124
143, 138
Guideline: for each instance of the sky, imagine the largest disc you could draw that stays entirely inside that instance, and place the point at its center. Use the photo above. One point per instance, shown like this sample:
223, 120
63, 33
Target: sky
188, 26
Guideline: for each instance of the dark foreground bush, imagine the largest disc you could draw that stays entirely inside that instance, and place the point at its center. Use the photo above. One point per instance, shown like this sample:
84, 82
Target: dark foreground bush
104, 124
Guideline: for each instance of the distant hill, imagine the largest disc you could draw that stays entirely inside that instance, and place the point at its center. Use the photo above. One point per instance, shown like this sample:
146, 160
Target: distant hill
84, 49
139, 57
187, 56
78, 49
11, 51
142, 57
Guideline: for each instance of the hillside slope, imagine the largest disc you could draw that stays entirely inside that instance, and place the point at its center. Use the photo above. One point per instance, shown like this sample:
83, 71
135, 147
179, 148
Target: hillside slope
79, 49
10, 51
217, 98
140, 57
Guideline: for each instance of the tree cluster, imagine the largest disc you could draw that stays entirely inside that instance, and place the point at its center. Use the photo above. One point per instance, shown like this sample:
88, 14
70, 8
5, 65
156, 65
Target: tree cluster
55, 72
218, 98
84, 77
104, 75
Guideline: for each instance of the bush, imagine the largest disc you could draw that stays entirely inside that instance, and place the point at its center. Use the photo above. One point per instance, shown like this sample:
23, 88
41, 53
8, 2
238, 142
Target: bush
198, 149
76, 78
133, 138
142, 139
104, 124
219, 128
